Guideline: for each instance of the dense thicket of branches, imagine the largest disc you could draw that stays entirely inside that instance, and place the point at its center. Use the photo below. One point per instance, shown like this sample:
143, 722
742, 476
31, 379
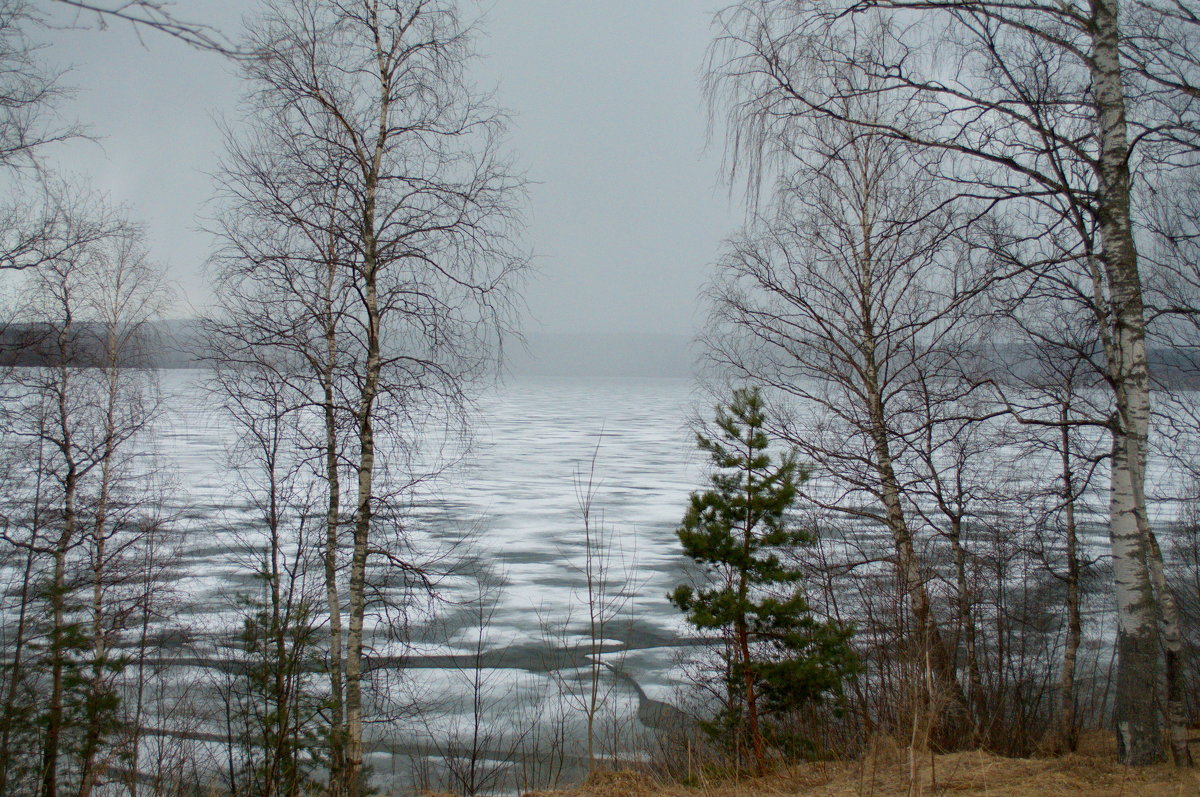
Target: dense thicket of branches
1024, 322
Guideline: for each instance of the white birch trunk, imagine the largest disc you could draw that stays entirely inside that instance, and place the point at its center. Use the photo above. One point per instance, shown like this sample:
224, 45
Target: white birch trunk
1138, 726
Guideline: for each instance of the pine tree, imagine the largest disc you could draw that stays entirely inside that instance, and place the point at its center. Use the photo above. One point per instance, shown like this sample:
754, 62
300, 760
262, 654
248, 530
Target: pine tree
780, 657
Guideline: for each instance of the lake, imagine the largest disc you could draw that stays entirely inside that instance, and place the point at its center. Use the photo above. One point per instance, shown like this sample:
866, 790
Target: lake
516, 498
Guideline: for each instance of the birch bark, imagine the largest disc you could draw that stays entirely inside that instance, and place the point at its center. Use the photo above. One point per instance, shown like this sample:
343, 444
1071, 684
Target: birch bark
1137, 717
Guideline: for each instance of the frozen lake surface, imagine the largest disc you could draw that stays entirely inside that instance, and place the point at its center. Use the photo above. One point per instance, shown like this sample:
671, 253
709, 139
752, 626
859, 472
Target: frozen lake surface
515, 499
516, 496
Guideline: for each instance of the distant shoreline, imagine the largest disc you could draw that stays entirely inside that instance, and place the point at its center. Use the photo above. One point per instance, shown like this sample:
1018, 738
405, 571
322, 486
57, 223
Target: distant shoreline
176, 345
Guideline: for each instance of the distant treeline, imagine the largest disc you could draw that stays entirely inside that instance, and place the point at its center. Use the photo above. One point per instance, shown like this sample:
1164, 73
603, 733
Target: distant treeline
170, 344
179, 344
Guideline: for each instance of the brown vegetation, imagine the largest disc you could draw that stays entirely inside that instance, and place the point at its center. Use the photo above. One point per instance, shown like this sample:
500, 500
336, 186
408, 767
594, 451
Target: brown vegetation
885, 770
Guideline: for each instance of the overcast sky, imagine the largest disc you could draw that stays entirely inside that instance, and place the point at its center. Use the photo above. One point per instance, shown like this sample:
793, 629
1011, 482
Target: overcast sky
627, 210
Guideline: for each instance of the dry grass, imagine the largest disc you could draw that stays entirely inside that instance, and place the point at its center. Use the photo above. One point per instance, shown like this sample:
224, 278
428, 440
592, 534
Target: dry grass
888, 770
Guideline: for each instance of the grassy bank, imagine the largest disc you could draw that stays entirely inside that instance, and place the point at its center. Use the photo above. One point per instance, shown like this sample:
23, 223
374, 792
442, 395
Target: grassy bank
888, 770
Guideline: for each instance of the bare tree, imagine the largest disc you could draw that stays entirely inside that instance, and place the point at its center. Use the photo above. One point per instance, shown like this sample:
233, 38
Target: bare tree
282, 252
846, 300
86, 408
608, 573
384, 183
1035, 102
1047, 370
466, 725
277, 725
28, 89
155, 15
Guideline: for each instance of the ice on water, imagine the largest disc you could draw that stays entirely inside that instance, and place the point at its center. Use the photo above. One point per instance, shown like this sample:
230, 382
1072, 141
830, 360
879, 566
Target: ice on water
515, 496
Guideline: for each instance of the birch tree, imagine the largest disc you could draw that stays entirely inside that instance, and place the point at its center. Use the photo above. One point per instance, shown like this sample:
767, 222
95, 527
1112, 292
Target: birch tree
1035, 105
154, 15
86, 411
276, 720
844, 299
284, 299
387, 167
